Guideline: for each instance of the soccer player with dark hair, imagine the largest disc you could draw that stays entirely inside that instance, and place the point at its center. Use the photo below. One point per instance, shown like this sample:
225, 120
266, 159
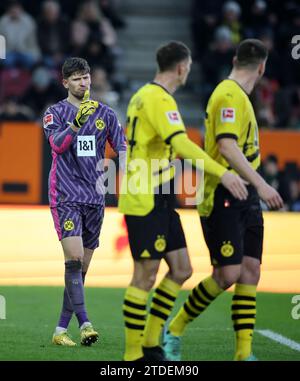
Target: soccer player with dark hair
77, 129
155, 130
233, 229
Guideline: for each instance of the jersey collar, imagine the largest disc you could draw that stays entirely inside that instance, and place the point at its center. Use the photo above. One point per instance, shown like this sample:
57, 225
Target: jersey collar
233, 80
157, 84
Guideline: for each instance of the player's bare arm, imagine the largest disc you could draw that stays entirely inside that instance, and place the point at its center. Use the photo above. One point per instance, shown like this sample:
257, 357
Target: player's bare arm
189, 150
232, 153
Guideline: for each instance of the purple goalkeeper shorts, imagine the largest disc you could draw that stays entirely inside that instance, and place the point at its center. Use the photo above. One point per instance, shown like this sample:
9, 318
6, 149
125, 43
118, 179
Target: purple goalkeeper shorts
74, 219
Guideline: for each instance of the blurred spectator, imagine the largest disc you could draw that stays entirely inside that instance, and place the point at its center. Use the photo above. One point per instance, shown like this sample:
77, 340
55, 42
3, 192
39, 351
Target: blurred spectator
101, 89
290, 173
286, 182
217, 62
205, 18
231, 19
53, 34
43, 91
273, 67
99, 26
97, 54
287, 104
12, 111
270, 171
257, 20
79, 37
294, 201
263, 98
19, 30
294, 116
109, 10
93, 37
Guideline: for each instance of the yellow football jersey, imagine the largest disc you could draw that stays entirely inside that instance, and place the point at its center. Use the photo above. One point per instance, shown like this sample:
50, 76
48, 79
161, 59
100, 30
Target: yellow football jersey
229, 114
152, 120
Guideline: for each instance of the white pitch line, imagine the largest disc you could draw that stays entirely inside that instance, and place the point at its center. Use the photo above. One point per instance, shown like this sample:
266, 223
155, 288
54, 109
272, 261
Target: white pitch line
279, 339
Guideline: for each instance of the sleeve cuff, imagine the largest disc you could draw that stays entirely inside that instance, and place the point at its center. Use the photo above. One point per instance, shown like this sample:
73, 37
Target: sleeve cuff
226, 135
221, 171
169, 138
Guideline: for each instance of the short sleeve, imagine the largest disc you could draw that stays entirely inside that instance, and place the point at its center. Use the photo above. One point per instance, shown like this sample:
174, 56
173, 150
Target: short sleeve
227, 118
166, 118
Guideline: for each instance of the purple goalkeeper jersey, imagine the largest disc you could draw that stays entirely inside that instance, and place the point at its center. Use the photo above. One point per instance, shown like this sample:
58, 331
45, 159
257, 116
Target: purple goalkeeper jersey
74, 172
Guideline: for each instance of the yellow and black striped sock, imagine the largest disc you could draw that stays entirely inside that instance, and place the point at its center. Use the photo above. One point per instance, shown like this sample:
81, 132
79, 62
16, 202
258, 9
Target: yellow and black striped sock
134, 311
161, 307
198, 300
243, 317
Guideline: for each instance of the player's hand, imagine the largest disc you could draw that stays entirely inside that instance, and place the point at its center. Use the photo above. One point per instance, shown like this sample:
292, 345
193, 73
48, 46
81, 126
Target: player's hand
87, 107
270, 196
235, 185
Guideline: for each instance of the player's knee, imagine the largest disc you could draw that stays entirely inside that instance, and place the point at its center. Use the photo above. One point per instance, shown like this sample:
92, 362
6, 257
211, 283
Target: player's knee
146, 284
150, 280
188, 273
143, 281
226, 280
181, 275
251, 273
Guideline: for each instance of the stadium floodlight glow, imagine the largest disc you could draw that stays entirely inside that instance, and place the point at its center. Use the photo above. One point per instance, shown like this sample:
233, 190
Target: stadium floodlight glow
2, 47
2, 308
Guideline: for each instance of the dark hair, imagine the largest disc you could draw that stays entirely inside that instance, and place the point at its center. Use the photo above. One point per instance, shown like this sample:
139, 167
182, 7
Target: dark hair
75, 65
250, 53
272, 158
169, 55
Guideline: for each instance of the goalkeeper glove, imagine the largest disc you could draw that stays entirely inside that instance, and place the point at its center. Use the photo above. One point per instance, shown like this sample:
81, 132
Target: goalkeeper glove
87, 107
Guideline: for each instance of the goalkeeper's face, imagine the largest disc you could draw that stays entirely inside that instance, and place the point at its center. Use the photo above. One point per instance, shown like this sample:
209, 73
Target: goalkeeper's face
77, 84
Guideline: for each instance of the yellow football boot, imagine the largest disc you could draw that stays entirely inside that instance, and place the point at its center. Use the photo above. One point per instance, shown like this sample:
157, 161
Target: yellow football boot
63, 339
88, 335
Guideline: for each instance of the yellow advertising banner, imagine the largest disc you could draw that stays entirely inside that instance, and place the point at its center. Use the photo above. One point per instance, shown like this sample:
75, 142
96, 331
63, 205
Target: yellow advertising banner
30, 253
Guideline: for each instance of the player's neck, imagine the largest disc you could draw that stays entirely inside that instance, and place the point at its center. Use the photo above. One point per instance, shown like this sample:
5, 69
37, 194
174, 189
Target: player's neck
167, 81
73, 100
245, 79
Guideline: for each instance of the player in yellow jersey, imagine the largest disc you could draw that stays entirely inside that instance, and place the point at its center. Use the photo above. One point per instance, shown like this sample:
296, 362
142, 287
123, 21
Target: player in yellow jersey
233, 229
155, 130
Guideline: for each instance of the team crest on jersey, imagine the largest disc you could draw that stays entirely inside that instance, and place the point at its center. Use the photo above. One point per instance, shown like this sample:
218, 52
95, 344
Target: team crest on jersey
173, 117
100, 124
48, 119
160, 244
69, 225
228, 115
227, 249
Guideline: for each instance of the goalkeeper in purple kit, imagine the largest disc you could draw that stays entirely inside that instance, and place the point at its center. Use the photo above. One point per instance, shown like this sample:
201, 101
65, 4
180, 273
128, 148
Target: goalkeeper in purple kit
77, 129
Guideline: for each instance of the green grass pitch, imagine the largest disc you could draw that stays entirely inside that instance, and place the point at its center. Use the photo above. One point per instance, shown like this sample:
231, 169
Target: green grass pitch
32, 313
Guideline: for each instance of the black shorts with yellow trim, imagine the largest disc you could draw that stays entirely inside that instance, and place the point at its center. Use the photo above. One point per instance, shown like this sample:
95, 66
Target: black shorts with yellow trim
234, 229
154, 235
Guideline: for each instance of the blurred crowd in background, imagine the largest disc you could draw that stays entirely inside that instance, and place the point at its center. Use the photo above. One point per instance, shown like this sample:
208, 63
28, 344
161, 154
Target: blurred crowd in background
41, 34
217, 28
